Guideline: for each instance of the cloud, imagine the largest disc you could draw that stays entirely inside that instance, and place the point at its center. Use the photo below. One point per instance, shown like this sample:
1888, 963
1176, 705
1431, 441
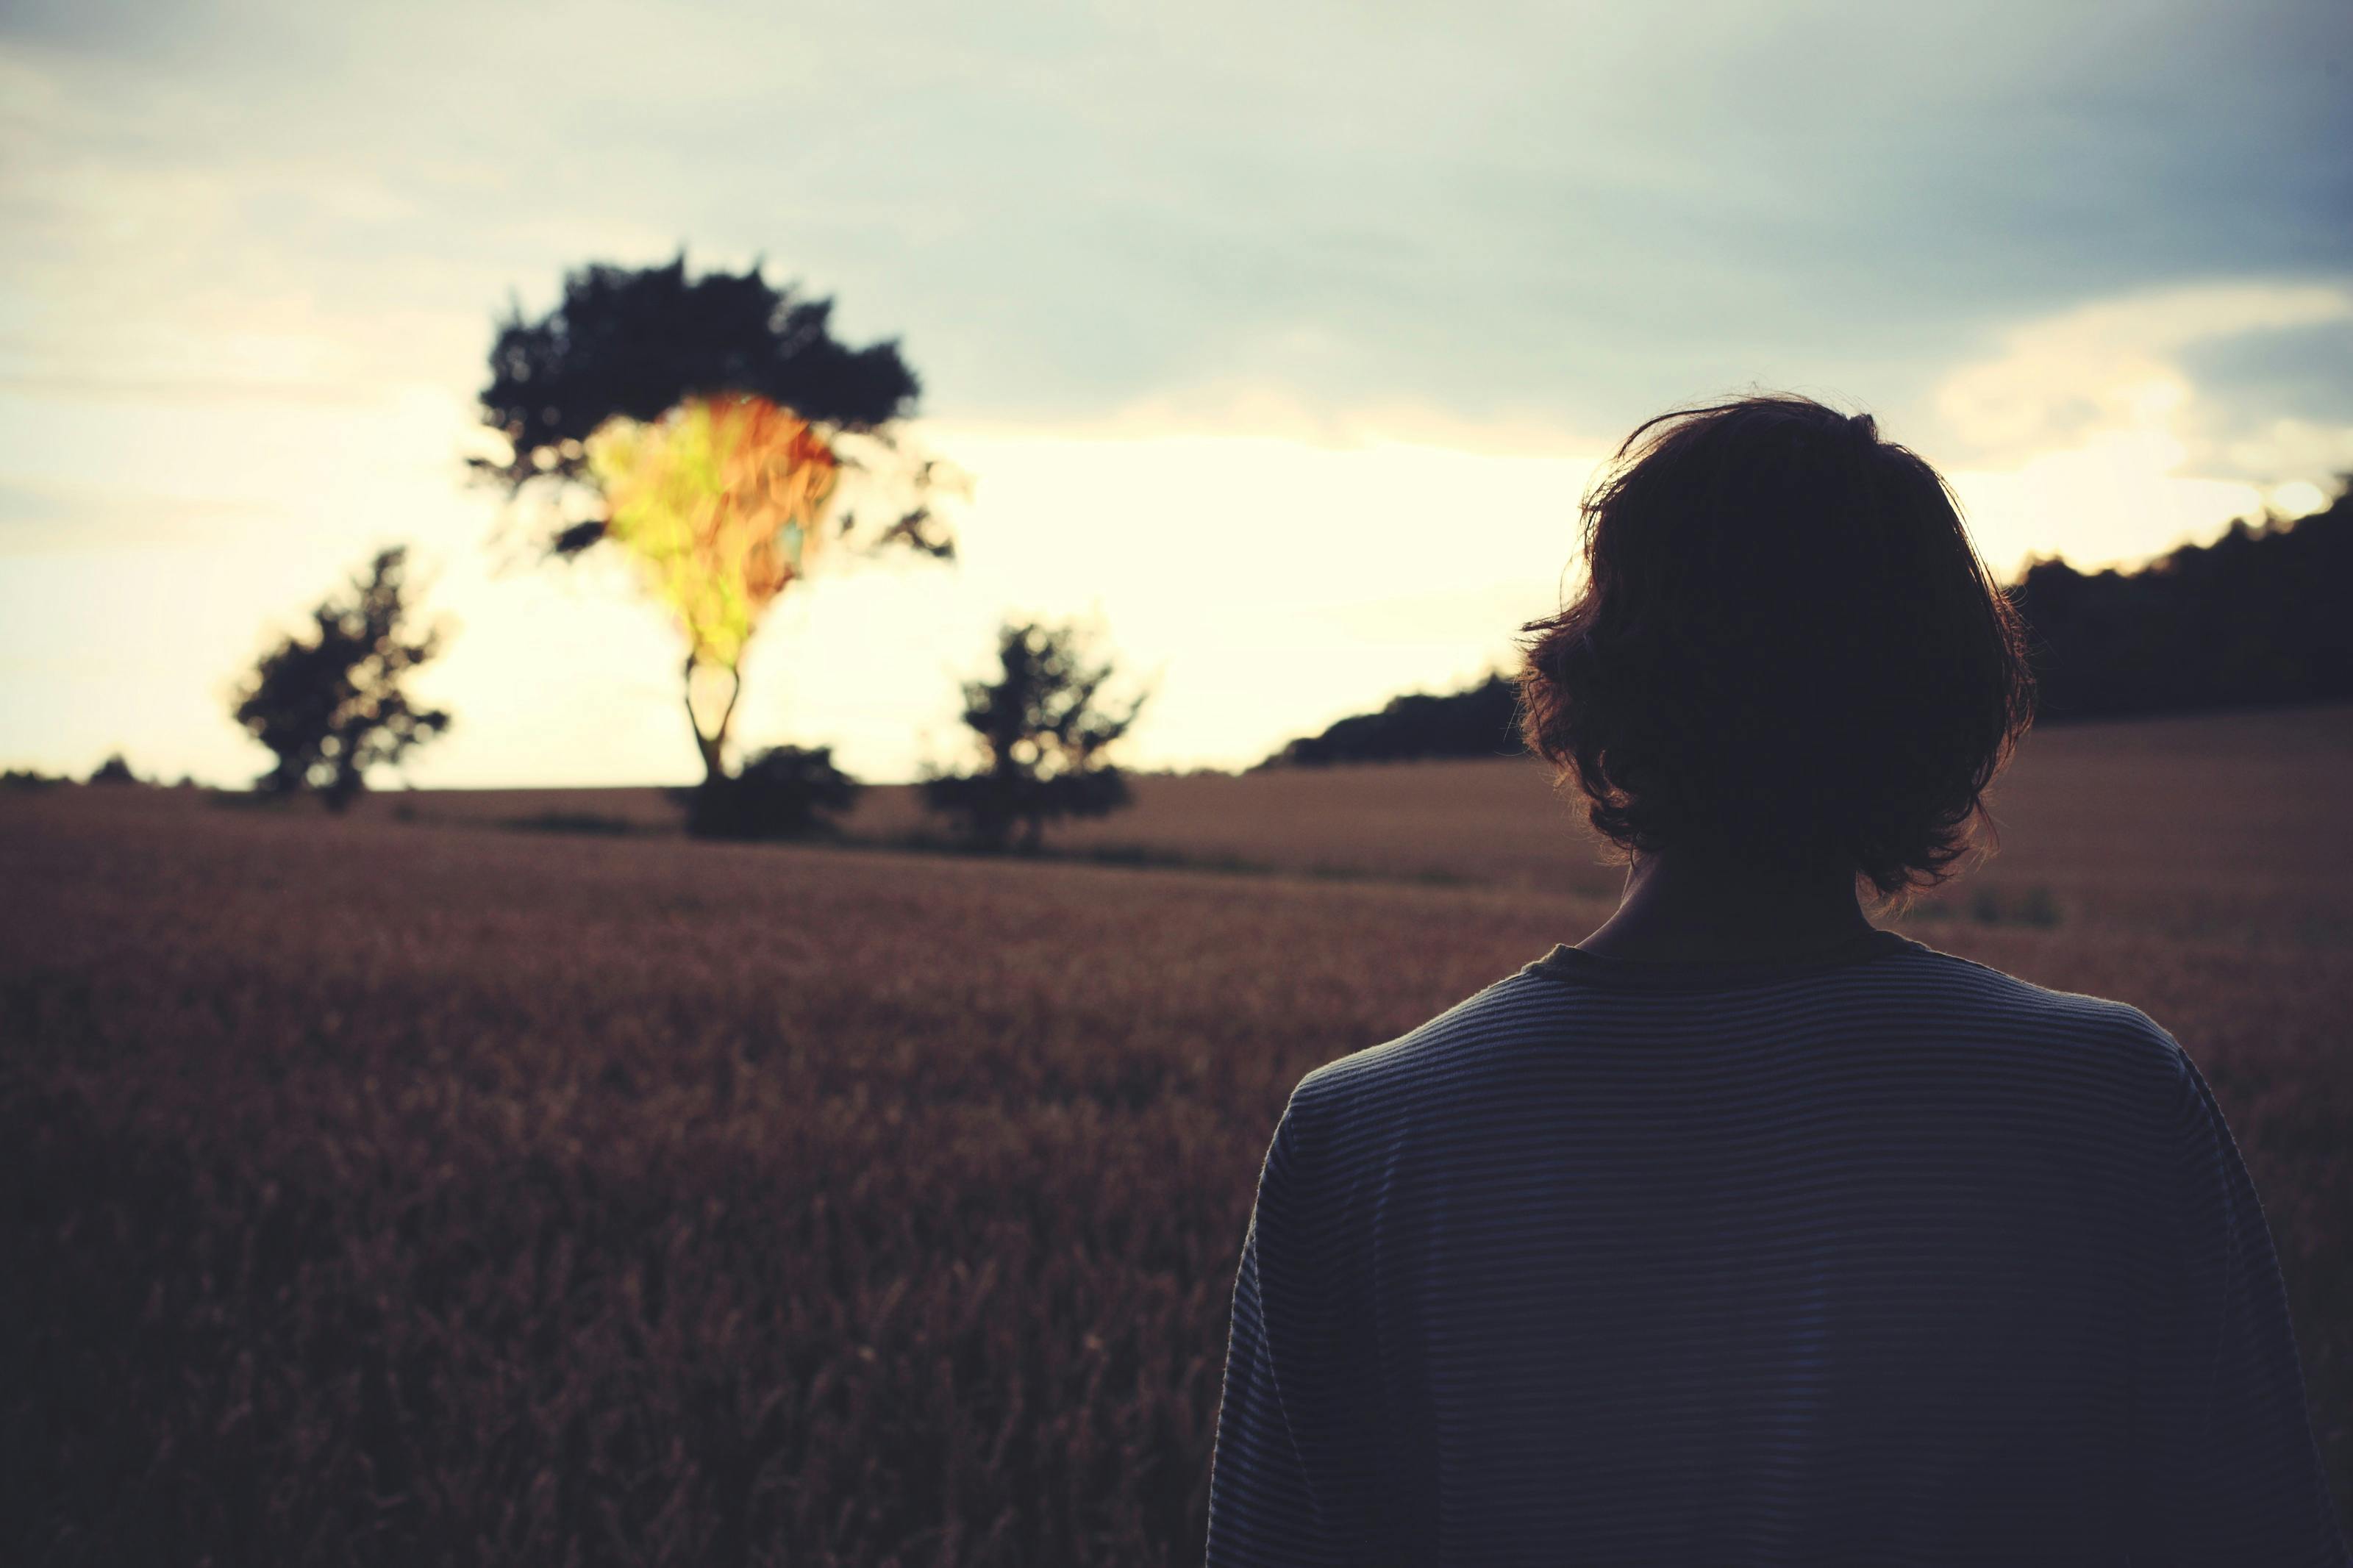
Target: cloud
2101, 431
2119, 365
1577, 213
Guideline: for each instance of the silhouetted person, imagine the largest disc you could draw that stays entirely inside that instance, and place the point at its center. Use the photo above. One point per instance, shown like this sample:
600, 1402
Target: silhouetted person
1743, 1232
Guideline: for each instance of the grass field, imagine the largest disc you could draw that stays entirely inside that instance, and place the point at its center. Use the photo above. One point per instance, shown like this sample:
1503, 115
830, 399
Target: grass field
2204, 826
396, 1189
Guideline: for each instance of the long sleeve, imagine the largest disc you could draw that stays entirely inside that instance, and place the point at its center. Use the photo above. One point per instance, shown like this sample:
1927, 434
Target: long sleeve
1262, 1509
2232, 1473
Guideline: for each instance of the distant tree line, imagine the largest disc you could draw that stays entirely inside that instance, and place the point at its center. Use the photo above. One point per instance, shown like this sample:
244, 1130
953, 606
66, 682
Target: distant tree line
2255, 619
115, 770
1481, 722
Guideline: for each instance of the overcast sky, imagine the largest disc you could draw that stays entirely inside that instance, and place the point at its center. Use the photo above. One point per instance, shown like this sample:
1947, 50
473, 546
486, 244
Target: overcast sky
1279, 339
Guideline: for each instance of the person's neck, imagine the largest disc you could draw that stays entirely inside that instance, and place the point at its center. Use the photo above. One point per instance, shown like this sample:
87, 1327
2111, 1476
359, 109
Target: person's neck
1697, 909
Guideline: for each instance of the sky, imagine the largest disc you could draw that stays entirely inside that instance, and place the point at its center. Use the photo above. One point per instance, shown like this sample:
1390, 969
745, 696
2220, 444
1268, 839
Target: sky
1280, 341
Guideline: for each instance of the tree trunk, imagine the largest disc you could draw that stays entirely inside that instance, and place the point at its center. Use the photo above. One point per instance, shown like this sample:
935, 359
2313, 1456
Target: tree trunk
715, 756
712, 743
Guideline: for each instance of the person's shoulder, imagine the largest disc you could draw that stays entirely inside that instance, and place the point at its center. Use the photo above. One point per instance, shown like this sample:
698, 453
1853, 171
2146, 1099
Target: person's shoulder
1966, 991
1431, 1048
1950, 974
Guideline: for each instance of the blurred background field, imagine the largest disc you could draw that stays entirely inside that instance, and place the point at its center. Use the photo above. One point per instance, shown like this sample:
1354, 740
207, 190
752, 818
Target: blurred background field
502, 1175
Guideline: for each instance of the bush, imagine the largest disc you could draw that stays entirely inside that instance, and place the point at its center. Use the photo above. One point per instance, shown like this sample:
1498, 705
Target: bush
785, 791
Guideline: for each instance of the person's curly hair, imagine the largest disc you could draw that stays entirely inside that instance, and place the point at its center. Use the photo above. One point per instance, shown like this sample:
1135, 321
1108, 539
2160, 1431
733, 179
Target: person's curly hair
1786, 650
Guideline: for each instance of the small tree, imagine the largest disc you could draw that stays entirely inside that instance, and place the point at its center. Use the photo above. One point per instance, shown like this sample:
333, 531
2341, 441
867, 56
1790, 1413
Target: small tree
1042, 725
331, 704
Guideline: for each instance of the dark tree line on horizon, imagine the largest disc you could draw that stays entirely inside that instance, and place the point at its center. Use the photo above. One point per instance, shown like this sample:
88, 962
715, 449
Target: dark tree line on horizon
1480, 722
2257, 619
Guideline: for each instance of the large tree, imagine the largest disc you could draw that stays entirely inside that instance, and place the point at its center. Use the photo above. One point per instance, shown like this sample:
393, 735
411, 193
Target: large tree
332, 704
716, 429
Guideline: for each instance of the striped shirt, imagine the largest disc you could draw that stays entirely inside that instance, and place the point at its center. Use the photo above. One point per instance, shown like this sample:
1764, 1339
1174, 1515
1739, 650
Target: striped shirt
1886, 1258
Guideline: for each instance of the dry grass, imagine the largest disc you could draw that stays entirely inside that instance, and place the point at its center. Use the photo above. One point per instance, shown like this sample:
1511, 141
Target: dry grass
392, 1193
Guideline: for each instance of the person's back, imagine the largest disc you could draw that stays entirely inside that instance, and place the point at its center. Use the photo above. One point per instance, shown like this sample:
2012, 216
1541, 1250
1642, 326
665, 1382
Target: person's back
1743, 1232
1889, 1258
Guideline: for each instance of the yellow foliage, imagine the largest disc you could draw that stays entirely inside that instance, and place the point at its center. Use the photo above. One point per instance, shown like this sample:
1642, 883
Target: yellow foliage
721, 501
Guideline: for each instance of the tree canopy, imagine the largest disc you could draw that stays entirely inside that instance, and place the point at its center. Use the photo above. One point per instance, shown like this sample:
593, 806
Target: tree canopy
636, 342
720, 500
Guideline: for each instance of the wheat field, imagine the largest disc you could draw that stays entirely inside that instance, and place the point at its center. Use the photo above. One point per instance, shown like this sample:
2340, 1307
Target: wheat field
399, 1189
